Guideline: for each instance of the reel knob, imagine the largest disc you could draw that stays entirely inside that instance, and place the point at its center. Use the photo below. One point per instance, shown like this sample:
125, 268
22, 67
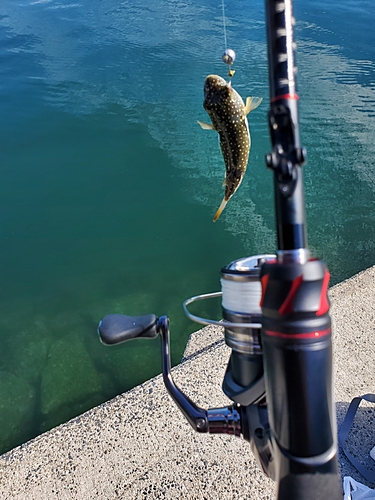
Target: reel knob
117, 328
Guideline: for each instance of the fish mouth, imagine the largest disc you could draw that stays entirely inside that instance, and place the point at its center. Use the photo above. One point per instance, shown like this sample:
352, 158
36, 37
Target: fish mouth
214, 82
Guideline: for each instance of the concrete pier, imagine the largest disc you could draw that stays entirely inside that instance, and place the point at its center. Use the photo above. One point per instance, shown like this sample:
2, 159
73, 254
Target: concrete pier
138, 445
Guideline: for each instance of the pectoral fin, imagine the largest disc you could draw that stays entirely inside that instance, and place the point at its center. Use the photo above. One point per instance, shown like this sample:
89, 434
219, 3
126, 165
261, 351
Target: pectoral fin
206, 126
252, 103
220, 209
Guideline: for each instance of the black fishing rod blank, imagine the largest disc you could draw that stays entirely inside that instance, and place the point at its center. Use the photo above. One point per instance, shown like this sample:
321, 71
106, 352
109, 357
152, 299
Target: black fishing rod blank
296, 327
287, 156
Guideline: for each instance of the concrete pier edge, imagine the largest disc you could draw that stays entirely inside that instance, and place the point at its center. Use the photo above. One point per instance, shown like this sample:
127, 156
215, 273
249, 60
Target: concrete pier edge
138, 445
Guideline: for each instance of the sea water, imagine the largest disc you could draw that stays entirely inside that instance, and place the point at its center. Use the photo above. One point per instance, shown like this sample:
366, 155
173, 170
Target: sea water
108, 185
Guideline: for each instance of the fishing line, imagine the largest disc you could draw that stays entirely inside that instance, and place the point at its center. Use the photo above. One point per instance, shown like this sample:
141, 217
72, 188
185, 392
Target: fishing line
229, 55
224, 24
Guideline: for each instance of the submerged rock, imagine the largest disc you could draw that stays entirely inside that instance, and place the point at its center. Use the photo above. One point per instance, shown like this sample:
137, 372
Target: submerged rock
17, 404
70, 383
25, 343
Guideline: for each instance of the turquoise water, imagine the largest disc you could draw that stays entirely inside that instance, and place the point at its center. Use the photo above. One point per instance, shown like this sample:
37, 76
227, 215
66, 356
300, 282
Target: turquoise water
108, 185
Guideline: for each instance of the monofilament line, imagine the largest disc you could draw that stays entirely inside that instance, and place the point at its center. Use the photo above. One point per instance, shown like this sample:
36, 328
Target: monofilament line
224, 25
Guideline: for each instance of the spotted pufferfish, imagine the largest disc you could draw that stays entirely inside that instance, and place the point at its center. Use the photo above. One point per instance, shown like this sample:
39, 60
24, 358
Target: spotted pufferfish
228, 114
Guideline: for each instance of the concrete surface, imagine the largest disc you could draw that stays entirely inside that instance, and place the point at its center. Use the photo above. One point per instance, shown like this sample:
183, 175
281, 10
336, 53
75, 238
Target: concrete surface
138, 445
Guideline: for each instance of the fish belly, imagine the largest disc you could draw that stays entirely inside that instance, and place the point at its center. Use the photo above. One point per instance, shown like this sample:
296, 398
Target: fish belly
235, 147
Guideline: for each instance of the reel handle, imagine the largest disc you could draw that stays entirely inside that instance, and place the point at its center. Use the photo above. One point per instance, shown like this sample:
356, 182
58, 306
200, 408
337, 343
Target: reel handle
117, 328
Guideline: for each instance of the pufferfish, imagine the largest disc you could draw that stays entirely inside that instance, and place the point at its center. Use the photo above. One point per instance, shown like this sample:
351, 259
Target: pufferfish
228, 114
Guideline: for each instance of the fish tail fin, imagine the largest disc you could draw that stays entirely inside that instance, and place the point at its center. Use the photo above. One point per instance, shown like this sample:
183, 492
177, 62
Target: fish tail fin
252, 103
220, 209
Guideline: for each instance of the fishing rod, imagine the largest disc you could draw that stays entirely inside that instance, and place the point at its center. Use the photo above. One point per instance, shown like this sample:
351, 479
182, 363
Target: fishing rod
296, 327
287, 156
275, 319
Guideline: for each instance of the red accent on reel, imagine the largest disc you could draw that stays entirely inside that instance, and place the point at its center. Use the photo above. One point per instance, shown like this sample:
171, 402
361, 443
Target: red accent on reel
264, 281
311, 335
324, 304
287, 306
294, 97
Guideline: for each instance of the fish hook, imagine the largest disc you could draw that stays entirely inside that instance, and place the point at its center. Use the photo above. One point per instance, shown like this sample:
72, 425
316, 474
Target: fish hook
228, 58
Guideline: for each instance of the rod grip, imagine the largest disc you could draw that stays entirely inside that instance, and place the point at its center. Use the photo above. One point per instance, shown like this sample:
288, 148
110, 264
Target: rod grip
297, 355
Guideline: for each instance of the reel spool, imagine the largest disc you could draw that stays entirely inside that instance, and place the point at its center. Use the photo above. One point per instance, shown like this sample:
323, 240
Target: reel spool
242, 319
241, 293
